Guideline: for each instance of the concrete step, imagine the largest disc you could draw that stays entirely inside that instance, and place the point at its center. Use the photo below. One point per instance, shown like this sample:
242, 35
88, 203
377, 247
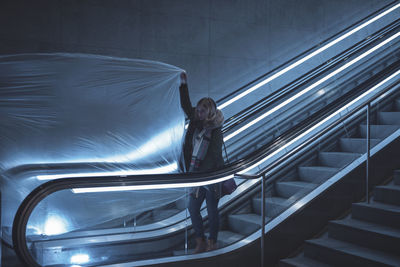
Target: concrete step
339, 253
377, 212
396, 177
337, 159
301, 261
226, 238
316, 174
378, 131
289, 189
244, 224
371, 235
273, 206
389, 194
389, 118
356, 145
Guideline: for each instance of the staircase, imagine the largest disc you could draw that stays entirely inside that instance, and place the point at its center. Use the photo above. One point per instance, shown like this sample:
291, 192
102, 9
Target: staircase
309, 175
370, 236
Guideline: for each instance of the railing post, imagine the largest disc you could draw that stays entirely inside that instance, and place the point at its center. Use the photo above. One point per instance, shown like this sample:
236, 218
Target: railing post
262, 217
368, 153
1, 232
186, 220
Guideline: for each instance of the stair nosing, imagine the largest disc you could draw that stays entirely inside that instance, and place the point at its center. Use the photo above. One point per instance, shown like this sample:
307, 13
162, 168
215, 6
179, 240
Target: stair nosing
353, 249
367, 226
379, 205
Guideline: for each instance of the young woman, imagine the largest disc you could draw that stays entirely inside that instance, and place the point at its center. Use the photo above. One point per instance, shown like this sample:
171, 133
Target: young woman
202, 151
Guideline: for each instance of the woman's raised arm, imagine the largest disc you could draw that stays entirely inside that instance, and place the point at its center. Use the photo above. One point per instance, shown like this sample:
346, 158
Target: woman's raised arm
185, 99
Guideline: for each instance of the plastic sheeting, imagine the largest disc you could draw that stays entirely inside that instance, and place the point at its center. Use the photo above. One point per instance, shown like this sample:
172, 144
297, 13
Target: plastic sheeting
76, 114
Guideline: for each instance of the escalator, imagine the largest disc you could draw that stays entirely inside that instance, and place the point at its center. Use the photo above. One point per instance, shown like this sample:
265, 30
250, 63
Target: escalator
153, 237
242, 220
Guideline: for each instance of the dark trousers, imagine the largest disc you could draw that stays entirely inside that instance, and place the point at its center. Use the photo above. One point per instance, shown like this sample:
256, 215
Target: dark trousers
212, 209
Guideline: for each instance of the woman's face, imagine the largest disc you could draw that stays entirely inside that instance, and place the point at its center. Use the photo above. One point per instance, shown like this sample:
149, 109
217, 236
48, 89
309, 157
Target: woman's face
201, 112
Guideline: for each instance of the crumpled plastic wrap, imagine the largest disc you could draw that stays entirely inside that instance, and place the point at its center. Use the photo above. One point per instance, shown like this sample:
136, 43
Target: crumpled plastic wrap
67, 114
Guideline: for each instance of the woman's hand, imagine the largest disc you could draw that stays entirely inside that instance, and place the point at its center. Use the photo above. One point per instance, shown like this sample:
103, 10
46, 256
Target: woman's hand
183, 78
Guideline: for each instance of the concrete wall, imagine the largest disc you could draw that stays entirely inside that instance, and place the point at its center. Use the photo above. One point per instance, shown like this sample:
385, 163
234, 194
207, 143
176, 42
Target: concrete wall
223, 44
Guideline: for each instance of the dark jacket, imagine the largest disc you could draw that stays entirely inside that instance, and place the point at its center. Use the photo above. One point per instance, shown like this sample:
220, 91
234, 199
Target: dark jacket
213, 159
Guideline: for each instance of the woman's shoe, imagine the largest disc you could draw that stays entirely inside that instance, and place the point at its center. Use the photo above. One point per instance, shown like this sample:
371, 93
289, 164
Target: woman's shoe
211, 245
201, 245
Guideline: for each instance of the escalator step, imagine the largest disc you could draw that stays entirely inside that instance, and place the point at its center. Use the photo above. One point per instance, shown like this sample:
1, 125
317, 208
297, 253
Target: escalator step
181, 203
273, 205
337, 159
226, 238
244, 224
356, 145
316, 174
378, 131
389, 118
159, 215
293, 188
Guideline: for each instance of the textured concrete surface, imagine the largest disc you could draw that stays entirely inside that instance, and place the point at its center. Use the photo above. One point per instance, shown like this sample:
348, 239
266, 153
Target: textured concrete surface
222, 44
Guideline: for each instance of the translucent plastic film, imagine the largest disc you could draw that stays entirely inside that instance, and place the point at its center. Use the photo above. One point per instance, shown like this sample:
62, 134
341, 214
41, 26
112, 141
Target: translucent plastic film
83, 114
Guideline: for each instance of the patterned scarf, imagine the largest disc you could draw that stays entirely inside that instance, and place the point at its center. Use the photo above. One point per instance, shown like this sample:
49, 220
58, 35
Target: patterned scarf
201, 140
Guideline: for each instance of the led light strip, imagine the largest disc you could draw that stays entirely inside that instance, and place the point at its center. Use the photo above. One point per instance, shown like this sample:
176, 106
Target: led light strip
316, 52
321, 122
160, 170
148, 187
183, 185
269, 112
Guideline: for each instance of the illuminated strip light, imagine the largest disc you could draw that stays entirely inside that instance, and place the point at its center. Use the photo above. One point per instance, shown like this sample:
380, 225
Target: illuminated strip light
320, 123
160, 170
148, 187
184, 185
316, 52
269, 112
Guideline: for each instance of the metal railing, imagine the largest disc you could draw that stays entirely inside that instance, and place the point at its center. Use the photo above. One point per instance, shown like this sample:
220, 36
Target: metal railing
263, 175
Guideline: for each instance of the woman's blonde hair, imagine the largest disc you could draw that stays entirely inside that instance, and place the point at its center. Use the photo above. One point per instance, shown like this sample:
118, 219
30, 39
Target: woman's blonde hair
209, 104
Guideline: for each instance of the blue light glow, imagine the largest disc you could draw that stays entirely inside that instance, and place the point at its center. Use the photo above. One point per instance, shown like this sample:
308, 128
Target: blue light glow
164, 169
55, 225
80, 259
